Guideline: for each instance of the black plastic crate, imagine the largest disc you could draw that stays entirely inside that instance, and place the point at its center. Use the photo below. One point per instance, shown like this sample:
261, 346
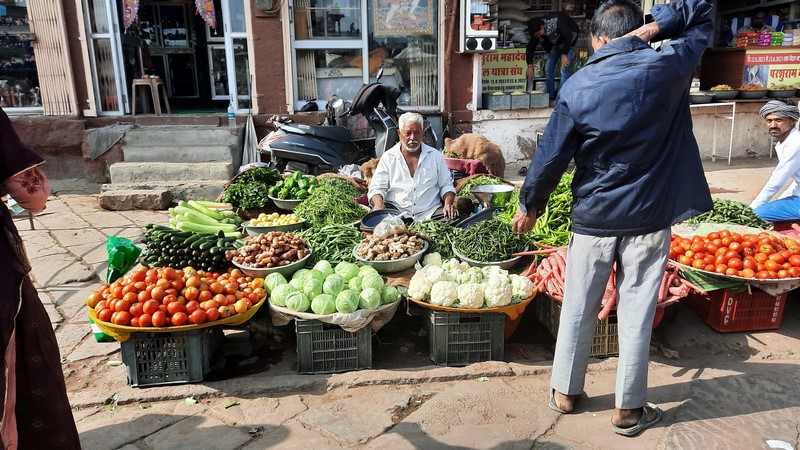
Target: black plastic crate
459, 339
327, 348
153, 359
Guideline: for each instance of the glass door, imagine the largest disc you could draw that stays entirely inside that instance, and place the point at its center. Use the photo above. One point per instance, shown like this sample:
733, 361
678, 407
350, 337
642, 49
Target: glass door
105, 54
230, 61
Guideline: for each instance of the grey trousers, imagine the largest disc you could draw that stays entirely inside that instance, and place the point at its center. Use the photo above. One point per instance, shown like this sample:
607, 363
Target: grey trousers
641, 261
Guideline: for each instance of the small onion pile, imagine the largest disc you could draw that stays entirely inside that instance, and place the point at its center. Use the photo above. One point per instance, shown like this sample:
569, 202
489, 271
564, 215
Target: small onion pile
273, 249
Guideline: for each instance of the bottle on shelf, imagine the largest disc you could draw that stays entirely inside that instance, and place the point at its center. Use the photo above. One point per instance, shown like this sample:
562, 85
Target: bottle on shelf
231, 115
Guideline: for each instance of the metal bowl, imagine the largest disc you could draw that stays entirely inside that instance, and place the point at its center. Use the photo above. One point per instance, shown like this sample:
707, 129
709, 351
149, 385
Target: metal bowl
491, 195
287, 270
394, 265
286, 205
507, 264
725, 95
752, 94
700, 97
782, 93
255, 230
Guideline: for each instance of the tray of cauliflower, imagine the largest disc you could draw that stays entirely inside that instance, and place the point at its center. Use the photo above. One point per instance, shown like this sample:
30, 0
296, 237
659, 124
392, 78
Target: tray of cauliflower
456, 286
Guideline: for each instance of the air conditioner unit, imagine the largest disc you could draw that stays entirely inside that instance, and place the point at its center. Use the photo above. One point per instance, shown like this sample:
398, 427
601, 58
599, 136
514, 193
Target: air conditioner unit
478, 26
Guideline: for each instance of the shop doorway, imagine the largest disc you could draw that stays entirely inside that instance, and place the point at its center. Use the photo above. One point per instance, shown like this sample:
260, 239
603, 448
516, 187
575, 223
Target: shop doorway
203, 68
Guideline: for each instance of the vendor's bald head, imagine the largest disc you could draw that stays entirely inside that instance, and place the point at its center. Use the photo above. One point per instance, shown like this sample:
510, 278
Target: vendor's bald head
781, 116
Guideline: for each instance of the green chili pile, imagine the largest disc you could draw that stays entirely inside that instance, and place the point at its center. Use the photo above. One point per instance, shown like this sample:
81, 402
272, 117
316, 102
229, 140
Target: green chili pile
328, 205
553, 225
438, 234
731, 211
489, 241
342, 185
334, 243
466, 190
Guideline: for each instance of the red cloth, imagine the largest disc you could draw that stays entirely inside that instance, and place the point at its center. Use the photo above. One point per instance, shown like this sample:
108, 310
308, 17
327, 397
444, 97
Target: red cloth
467, 166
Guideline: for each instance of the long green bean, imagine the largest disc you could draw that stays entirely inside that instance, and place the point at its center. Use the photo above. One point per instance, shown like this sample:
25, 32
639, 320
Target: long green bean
334, 243
438, 234
489, 241
328, 205
731, 211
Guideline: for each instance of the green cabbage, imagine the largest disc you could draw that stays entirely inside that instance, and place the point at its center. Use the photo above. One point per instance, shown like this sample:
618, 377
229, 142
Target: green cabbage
346, 270
324, 267
323, 304
280, 293
367, 270
298, 302
333, 284
355, 283
312, 284
273, 280
297, 283
372, 281
389, 294
370, 298
347, 301
300, 274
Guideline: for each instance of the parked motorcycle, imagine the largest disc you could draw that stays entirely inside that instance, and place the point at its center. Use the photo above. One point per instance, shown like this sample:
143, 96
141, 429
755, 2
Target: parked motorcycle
316, 149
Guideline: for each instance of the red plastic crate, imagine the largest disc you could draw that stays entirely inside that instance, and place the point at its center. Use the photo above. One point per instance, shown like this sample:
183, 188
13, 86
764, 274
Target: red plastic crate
725, 310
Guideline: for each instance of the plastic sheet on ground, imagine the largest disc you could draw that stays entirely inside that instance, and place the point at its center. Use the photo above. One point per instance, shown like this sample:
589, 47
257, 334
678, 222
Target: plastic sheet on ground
711, 281
122, 332
376, 318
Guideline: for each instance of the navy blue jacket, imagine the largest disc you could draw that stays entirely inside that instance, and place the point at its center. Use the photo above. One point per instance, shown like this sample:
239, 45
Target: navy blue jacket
625, 120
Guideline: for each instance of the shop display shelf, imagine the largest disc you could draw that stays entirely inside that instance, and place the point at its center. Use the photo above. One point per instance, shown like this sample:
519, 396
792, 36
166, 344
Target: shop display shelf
327, 348
459, 339
725, 310
154, 359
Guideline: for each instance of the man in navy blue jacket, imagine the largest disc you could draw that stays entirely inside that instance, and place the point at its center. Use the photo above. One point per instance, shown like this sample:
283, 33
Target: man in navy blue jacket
625, 121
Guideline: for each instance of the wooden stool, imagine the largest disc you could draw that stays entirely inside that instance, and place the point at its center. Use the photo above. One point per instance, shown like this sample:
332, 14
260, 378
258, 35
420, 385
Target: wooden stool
156, 86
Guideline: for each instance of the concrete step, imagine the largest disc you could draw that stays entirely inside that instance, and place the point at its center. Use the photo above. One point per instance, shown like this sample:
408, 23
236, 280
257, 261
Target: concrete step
179, 153
194, 190
181, 135
128, 172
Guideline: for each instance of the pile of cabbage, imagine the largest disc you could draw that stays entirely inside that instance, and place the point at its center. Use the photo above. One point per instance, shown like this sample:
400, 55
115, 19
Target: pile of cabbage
325, 289
456, 284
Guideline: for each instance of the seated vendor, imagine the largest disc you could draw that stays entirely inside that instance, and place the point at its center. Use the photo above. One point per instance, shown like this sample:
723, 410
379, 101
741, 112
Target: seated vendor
413, 177
781, 117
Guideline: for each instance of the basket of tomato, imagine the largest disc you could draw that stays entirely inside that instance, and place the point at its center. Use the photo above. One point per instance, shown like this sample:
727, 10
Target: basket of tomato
759, 255
163, 299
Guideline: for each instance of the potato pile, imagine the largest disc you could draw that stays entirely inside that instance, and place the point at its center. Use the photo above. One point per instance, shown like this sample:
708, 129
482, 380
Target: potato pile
273, 249
396, 246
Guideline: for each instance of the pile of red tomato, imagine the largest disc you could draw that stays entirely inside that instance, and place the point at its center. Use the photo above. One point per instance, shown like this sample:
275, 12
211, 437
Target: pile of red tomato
763, 256
163, 296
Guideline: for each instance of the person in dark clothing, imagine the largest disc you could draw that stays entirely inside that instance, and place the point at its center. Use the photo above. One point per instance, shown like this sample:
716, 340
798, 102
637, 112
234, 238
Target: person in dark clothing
34, 408
625, 121
558, 34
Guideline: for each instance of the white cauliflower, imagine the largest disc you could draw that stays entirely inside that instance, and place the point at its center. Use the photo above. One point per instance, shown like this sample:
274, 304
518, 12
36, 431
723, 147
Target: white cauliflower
472, 275
454, 266
432, 258
497, 291
521, 287
419, 287
470, 295
435, 273
443, 293
494, 270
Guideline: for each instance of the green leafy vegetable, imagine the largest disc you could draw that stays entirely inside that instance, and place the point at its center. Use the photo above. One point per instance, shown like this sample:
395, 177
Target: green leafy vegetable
328, 205
249, 189
342, 185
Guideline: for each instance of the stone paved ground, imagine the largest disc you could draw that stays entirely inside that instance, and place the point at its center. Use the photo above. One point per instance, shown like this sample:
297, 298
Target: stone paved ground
733, 390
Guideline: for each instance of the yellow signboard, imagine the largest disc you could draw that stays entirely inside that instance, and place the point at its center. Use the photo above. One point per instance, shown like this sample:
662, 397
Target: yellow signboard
503, 70
772, 66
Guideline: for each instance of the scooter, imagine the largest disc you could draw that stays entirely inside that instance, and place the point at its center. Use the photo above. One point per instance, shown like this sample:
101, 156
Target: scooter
316, 149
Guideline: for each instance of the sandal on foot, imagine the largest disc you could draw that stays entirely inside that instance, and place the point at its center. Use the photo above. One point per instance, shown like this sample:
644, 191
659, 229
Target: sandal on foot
651, 415
554, 406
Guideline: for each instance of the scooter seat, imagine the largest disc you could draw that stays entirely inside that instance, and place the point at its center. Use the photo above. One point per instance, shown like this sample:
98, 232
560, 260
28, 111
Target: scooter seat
332, 133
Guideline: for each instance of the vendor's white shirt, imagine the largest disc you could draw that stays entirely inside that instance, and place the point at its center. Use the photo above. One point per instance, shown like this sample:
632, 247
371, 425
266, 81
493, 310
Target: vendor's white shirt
788, 167
420, 195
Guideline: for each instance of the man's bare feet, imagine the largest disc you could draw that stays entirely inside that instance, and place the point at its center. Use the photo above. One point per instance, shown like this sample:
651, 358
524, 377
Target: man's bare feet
564, 402
625, 418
